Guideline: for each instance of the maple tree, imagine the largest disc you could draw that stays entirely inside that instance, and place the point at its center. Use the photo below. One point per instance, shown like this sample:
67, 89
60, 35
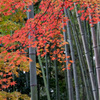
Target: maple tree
45, 28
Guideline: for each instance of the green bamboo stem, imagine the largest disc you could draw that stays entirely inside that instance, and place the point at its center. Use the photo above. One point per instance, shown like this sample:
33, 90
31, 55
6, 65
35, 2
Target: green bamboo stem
66, 82
27, 80
47, 71
26, 74
89, 43
56, 78
98, 37
70, 88
44, 78
79, 56
96, 54
87, 56
73, 58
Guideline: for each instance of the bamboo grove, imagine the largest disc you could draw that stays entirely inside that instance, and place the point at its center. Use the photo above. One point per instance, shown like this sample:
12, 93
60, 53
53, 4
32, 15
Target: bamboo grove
54, 45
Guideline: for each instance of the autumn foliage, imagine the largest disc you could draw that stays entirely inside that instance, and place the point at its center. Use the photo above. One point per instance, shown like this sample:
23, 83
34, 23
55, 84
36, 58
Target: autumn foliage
45, 29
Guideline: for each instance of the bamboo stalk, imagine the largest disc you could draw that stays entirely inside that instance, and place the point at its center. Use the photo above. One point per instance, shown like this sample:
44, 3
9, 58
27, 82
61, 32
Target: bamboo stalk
98, 37
44, 78
87, 56
73, 58
89, 43
70, 88
66, 82
80, 57
47, 71
32, 52
27, 79
56, 78
96, 54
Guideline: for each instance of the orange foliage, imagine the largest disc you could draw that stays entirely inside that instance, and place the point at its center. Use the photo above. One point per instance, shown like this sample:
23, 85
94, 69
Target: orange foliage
45, 29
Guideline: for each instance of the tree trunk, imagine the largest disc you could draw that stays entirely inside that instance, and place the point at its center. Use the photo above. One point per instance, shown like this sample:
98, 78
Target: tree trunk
98, 37
56, 78
73, 58
70, 88
66, 82
80, 57
44, 78
96, 54
47, 72
87, 57
32, 55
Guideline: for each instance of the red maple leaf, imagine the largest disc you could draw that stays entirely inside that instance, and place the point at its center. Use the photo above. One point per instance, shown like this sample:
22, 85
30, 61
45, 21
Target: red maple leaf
13, 83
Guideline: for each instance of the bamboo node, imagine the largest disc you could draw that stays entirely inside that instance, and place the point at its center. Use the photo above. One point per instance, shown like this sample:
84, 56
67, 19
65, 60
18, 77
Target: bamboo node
33, 85
32, 53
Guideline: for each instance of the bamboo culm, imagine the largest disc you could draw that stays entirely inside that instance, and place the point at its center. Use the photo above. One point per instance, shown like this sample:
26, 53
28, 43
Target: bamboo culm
87, 56
96, 54
80, 57
70, 90
44, 78
73, 58
32, 52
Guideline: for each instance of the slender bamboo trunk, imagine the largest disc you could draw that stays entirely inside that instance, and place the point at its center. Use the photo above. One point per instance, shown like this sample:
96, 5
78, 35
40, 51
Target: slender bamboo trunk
32, 55
80, 58
56, 78
13, 80
85, 31
73, 58
27, 80
98, 37
87, 57
44, 78
47, 71
38, 87
66, 82
70, 88
96, 54
98, 28
74, 65
89, 43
